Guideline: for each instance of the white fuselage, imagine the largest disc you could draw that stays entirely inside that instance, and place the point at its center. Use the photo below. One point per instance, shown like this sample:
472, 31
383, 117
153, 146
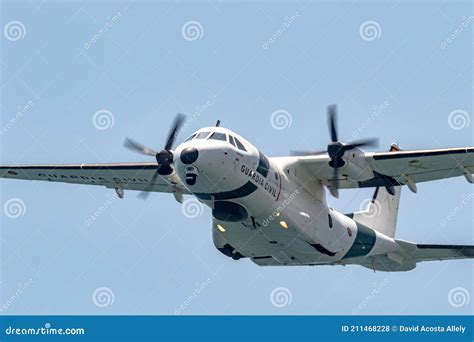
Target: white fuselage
246, 187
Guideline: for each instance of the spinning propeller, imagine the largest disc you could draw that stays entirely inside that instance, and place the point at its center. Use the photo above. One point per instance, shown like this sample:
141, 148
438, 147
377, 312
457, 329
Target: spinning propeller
336, 149
164, 158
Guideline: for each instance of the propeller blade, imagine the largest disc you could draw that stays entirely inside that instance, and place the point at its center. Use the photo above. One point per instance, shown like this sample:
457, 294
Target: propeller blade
332, 122
178, 122
136, 147
307, 153
359, 143
145, 193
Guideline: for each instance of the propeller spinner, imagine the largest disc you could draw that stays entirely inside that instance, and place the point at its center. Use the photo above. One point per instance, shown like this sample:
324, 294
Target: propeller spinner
164, 158
336, 149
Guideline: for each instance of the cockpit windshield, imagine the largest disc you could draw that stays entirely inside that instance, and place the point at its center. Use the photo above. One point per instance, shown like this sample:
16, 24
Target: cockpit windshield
202, 135
218, 136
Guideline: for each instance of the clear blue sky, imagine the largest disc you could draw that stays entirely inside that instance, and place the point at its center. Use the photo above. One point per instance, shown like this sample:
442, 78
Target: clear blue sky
247, 62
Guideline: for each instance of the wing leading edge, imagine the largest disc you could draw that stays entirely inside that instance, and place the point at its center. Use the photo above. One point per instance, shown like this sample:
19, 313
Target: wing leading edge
124, 176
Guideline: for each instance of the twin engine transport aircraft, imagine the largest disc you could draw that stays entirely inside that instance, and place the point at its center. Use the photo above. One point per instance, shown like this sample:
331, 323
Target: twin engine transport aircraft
273, 210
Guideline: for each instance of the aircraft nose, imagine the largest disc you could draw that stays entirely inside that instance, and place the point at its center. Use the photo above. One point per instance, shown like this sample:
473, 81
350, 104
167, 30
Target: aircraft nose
189, 155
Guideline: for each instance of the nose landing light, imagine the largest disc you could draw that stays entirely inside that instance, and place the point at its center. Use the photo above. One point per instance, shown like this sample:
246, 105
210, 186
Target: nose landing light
189, 155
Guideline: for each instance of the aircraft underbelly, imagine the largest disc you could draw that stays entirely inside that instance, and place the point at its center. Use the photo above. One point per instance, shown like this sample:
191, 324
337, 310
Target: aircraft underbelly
267, 245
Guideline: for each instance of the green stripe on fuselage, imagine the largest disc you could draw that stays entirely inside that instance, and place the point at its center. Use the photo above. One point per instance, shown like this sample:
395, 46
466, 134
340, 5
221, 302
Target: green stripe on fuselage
363, 243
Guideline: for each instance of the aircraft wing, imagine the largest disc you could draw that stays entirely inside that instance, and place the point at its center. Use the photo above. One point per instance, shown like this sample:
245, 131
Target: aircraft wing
126, 176
389, 168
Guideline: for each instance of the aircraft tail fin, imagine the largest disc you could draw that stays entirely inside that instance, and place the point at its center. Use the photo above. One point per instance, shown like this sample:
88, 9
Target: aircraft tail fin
382, 211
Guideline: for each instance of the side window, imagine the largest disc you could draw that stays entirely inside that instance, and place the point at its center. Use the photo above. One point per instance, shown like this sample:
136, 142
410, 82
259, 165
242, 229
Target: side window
330, 220
263, 165
218, 136
231, 139
239, 145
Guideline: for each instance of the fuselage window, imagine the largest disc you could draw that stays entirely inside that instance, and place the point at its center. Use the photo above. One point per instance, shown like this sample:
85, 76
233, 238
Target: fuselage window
191, 137
202, 135
218, 136
231, 139
239, 145
263, 165
330, 220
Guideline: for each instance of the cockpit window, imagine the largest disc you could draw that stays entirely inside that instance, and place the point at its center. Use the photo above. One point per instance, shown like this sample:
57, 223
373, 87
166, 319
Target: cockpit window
218, 136
231, 139
191, 137
239, 145
202, 135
